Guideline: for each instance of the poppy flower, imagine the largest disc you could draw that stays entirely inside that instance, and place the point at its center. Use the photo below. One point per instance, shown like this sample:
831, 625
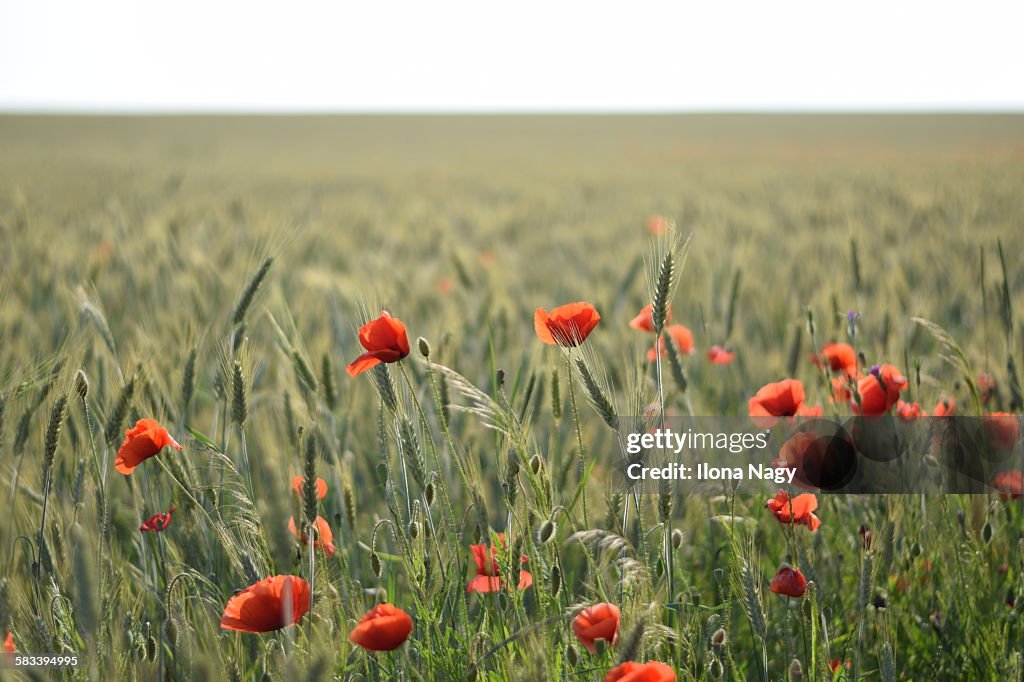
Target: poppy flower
834, 664
781, 399
567, 325
720, 356
321, 487
270, 604
657, 225
680, 335
644, 321
841, 389
789, 582
1003, 429
9, 643
382, 628
600, 621
879, 390
798, 510
907, 412
157, 522
944, 408
631, 671
1009, 484
324, 537
146, 439
811, 455
488, 575
838, 357
384, 339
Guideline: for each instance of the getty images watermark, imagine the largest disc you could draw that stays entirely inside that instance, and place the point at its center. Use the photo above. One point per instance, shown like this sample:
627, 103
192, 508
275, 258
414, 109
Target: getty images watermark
863, 455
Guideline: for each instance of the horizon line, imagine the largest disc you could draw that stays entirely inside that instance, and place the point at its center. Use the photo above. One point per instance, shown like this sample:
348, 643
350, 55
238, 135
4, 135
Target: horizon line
994, 110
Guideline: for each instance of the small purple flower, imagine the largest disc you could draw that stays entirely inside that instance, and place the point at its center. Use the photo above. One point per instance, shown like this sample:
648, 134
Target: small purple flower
876, 371
851, 316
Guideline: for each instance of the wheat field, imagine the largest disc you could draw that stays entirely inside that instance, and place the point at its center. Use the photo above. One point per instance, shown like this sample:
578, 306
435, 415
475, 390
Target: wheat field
212, 273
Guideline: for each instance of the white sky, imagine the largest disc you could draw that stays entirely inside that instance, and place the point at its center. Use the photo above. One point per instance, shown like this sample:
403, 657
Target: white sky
375, 55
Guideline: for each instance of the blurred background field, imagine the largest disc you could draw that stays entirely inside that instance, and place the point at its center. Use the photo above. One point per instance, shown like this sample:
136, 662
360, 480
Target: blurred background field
125, 244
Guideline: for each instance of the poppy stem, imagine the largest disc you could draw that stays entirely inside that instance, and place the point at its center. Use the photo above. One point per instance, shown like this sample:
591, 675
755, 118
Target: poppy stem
580, 459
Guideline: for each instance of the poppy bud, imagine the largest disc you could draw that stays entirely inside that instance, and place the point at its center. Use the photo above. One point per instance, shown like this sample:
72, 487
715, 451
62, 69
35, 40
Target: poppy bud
556, 580
546, 532
429, 490
677, 538
796, 671
719, 638
570, 655
424, 347
414, 529
536, 463
915, 550
986, 532
375, 564
171, 631
716, 669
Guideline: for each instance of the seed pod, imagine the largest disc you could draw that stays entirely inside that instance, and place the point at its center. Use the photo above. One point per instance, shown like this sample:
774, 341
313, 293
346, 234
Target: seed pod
430, 490
556, 580
536, 464
424, 347
571, 656
986, 532
414, 529
716, 669
796, 671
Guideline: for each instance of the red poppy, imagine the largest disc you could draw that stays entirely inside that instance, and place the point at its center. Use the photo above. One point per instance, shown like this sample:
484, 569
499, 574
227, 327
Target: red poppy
720, 356
384, 340
680, 335
9, 643
798, 510
271, 604
944, 408
908, 412
657, 225
631, 671
834, 664
145, 439
444, 285
841, 389
567, 325
1003, 429
789, 582
321, 487
1010, 484
382, 628
600, 621
838, 357
644, 321
488, 575
782, 399
157, 522
806, 452
879, 390
324, 537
